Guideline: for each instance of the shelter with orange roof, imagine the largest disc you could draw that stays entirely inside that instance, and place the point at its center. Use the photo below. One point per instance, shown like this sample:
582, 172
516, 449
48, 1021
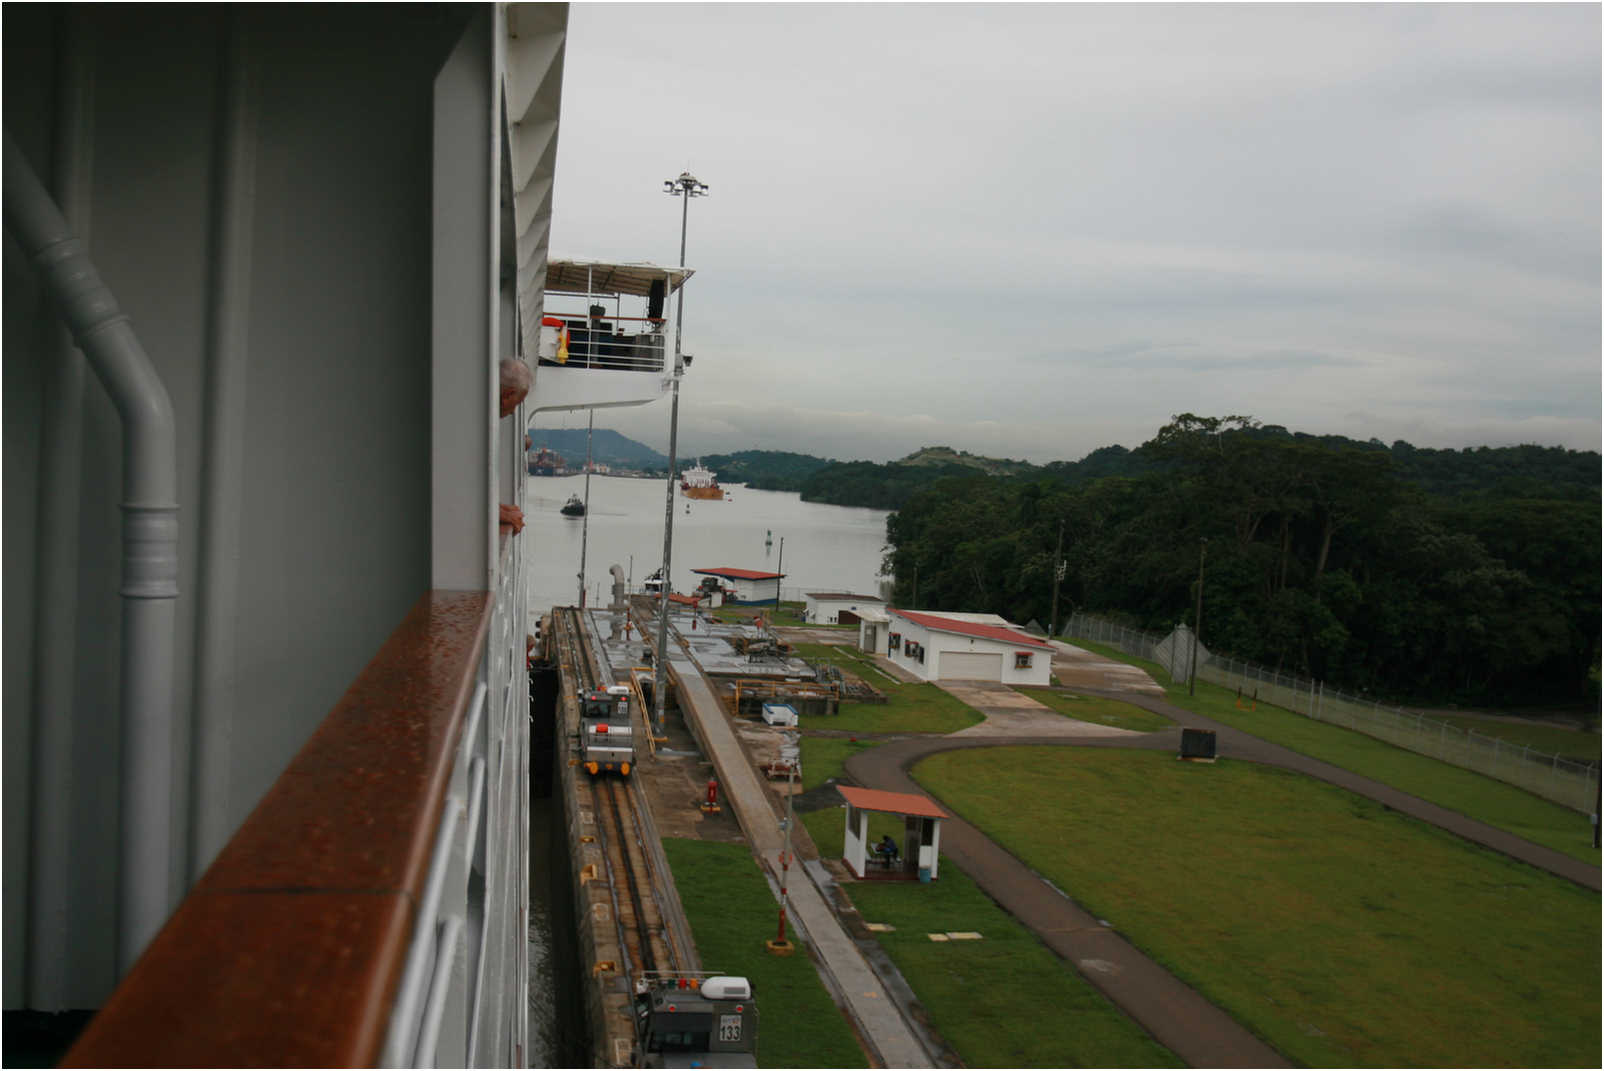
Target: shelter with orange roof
918, 849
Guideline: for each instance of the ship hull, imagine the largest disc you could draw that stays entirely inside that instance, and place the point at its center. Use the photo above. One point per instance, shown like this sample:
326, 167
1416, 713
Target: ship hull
702, 492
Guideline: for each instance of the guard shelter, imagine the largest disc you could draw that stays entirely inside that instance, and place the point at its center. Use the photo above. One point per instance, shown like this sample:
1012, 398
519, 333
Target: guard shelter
917, 853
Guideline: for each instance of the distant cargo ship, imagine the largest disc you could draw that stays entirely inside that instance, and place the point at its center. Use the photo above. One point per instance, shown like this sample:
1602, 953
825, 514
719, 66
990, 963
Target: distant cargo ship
698, 482
546, 462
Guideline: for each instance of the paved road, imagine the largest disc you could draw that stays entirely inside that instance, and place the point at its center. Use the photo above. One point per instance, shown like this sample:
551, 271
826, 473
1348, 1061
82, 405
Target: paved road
1176, 1015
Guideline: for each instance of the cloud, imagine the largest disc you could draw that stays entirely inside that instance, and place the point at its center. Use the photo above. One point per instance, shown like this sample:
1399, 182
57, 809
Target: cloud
1040, 229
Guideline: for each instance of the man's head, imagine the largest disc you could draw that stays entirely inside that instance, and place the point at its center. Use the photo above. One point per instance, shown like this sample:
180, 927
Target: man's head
515, 382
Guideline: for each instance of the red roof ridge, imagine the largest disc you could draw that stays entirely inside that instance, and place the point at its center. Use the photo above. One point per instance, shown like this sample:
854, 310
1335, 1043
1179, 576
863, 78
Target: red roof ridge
972, 628
739, 574
878, 799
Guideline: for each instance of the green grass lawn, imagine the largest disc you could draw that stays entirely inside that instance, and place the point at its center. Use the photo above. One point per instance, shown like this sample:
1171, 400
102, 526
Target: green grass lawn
974, 991
1548, 739
1097, 709
824, 757
789, 613
1482, 798
849, 659
732, 913
909, 708
1342, 932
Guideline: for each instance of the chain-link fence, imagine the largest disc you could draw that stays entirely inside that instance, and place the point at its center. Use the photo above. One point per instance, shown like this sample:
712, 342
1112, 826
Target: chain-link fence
1571, 782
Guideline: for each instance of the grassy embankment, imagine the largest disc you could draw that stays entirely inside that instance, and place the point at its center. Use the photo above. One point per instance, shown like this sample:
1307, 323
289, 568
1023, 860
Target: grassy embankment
788, 614
909, 708
1482, 798
1548, 739
974, 990
732, 913
1344, 933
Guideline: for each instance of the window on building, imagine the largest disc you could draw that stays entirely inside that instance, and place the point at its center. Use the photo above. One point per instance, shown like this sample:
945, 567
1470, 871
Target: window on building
1022, 659
895, 642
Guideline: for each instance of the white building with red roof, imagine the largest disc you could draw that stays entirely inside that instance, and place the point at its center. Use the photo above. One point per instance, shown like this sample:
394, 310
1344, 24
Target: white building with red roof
749, 586
950, 646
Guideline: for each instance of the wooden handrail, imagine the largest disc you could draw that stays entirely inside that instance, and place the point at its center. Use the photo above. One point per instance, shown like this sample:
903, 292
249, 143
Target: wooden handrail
288, 950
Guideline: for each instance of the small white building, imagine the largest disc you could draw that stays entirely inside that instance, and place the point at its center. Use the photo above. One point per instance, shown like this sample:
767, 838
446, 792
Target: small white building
943, 646
749, 586
837, 607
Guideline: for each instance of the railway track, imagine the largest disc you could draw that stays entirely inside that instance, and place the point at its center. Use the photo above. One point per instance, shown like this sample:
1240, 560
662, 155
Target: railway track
621, 832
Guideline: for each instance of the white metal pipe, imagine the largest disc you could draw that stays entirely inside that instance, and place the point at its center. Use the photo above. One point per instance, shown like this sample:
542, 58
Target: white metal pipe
150, 543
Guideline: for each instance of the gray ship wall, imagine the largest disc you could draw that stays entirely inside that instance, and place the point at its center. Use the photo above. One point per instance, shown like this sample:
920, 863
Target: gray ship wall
303, 413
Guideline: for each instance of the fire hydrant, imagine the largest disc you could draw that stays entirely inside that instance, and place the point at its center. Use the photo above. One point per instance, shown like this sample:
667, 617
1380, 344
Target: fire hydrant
710, 805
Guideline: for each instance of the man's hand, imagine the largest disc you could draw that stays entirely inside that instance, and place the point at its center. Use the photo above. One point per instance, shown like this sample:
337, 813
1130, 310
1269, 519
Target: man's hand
514, 516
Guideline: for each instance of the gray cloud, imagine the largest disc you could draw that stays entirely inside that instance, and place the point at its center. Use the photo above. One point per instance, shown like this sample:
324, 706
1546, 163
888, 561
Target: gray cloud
1035, 230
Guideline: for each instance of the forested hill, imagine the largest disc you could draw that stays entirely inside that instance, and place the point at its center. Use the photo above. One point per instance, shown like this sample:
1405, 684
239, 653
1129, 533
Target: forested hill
1423, 575
765, 470
1532, 471
608, 448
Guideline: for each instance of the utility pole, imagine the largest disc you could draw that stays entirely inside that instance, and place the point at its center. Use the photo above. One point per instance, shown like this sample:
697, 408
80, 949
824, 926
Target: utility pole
584, 531
1058, 574
1197, 618
686, 186
781, 570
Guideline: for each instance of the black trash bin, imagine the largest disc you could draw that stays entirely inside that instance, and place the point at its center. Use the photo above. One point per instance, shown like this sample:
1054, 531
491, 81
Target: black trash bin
1197, 743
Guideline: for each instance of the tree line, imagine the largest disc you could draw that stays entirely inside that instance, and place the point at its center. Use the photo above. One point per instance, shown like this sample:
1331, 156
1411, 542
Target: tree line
1418, 575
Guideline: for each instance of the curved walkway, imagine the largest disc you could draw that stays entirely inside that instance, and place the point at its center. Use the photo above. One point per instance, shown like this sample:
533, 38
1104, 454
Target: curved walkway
1177, 1016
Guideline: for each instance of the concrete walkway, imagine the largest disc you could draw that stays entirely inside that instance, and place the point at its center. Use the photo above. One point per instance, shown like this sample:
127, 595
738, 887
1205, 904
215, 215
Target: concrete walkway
1013, 714
1078, 668
879, 1022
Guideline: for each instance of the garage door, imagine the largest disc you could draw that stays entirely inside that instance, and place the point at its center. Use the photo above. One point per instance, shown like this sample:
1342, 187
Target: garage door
971, 666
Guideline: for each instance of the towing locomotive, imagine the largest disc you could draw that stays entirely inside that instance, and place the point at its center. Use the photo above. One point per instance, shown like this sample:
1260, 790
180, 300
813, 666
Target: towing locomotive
695, 1020
606, 734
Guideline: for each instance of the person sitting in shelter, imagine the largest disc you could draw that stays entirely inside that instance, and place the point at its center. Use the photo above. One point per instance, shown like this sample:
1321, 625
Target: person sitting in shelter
887, 850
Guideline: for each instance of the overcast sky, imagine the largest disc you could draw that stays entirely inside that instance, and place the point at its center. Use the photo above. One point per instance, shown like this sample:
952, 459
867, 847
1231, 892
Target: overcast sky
1030, 231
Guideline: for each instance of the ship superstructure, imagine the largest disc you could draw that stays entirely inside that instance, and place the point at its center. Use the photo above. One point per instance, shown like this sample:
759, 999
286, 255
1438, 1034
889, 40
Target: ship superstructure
700, 482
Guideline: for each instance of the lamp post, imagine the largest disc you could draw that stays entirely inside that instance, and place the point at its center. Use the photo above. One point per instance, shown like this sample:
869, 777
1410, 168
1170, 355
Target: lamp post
1197, 618
1058, 575
686, 187
780, 568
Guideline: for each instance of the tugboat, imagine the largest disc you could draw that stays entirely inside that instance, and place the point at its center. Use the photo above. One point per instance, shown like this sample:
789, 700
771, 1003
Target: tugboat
574, 507
653, 585
697, 482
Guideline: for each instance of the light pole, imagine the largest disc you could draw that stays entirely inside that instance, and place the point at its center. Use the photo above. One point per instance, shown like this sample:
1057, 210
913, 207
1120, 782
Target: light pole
1197, 618
1058, 575
584, 532
686, 187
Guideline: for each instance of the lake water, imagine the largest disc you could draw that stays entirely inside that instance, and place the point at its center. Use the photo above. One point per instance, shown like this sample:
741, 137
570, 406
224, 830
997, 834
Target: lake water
827, 548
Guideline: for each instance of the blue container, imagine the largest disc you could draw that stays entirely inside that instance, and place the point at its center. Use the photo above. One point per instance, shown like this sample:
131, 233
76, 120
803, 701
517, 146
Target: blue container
924, 873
